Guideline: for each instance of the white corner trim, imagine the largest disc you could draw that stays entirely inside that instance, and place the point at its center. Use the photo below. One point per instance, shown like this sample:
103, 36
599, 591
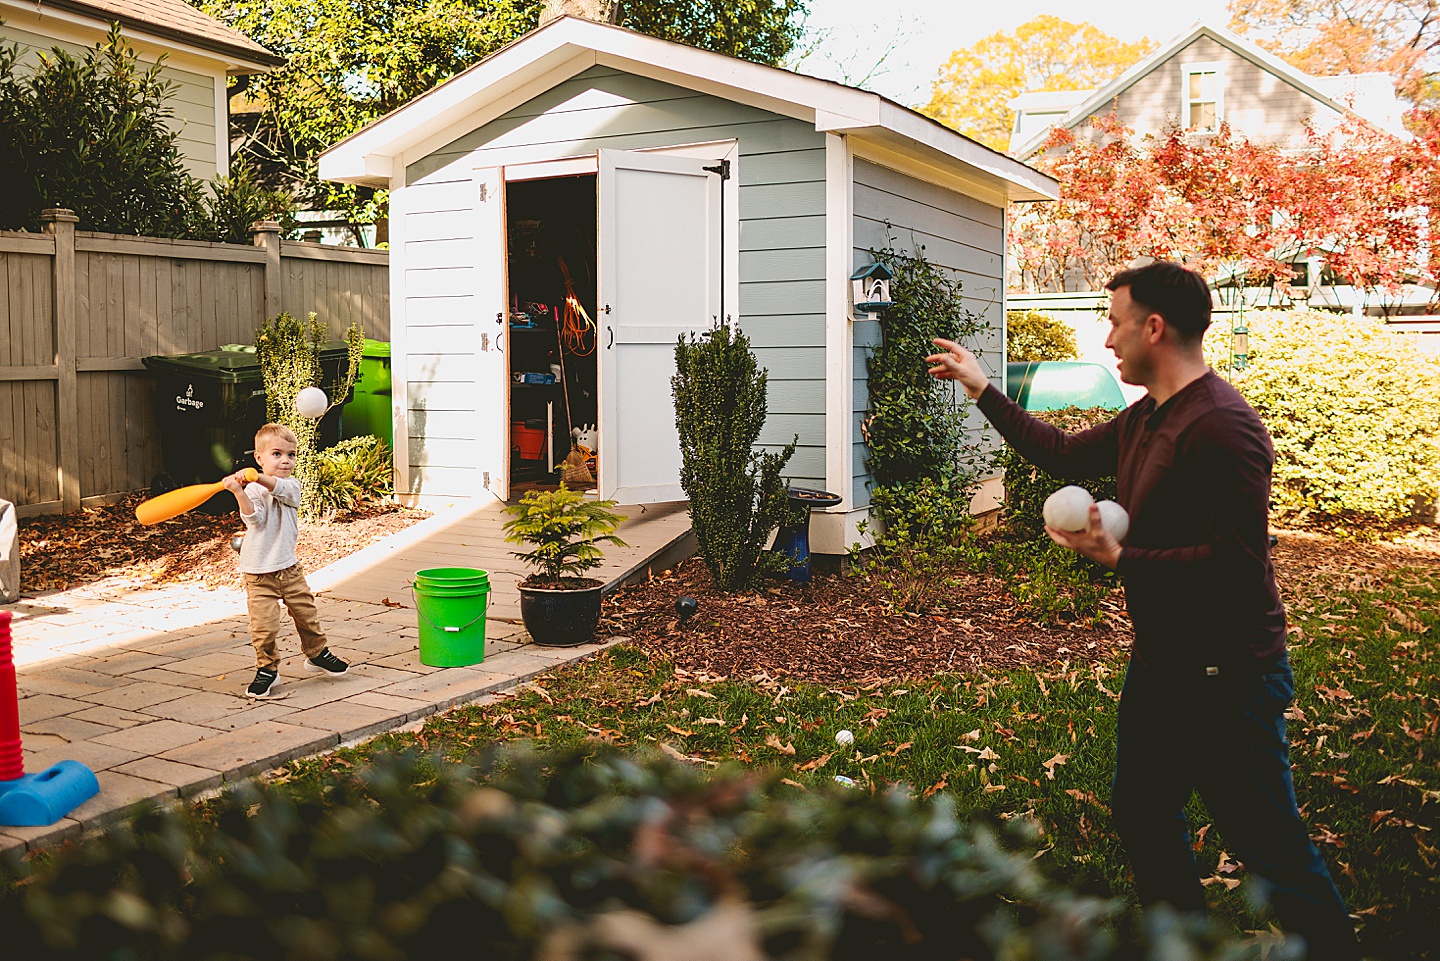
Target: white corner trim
222, 129
399, 343
839, 329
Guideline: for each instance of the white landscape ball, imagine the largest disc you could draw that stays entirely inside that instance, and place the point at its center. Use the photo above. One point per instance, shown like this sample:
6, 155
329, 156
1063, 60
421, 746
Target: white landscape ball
1068, 509
312, 402
1114, 519
844, 737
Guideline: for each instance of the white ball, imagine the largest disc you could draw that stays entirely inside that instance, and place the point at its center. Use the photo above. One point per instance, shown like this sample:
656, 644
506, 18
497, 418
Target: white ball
312, 402
1068, 509
1114, 519
844, 737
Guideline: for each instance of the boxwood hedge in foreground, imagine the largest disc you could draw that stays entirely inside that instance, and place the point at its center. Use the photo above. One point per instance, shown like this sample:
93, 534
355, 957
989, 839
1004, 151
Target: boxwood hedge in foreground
590, 854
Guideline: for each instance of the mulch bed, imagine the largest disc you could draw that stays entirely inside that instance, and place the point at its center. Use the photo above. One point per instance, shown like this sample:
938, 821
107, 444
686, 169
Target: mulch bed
838, 631
59, 552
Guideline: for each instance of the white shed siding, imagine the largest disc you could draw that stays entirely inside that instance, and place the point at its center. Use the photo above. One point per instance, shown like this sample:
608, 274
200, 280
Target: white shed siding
192, 98
1257, 104
957, 232
781, 170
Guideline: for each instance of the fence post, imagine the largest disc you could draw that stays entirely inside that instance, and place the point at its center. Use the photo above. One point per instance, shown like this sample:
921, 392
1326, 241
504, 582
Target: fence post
266, 236
60, 223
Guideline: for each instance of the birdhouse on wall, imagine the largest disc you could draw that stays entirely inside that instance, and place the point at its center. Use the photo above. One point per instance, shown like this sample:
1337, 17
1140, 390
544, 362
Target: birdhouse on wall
870, 288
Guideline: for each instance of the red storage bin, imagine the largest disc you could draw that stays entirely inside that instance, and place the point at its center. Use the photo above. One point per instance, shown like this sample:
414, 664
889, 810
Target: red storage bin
527, 440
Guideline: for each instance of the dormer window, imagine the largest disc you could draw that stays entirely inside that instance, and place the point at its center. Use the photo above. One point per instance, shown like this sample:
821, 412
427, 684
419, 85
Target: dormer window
1204, 104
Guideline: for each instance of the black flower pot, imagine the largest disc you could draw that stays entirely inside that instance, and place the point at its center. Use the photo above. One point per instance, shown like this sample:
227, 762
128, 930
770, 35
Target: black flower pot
560, 618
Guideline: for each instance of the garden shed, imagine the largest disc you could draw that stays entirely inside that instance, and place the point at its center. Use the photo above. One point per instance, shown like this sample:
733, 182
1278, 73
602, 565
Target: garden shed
564, 210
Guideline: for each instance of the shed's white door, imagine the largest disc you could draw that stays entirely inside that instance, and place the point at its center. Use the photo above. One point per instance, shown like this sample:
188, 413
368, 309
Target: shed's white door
659, 272
492, 374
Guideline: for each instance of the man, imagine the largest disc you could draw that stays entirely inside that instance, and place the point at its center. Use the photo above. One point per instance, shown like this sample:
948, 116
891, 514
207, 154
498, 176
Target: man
1208, 682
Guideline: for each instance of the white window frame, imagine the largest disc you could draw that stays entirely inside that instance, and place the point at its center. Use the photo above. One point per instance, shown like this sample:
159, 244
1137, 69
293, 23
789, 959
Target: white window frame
1187, 70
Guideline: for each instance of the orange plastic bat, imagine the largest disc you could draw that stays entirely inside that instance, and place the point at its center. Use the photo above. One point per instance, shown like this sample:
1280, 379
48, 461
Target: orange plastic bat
176, 502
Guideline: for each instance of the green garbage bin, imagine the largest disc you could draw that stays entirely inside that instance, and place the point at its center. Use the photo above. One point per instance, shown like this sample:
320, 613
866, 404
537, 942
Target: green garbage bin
1056, 384
369, 414
208, 406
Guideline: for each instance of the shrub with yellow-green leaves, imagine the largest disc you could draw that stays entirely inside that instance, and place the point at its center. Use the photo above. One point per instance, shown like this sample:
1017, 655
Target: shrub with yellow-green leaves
1035, 335
1354, 410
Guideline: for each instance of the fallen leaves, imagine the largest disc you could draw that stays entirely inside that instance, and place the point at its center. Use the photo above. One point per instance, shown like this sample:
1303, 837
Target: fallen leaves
1053, 763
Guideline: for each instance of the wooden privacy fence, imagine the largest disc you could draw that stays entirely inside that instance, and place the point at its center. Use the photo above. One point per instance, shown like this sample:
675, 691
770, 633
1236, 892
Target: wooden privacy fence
79, 310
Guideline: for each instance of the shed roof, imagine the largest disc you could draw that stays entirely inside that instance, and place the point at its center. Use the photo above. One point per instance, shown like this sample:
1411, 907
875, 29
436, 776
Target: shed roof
567, 46
170, 20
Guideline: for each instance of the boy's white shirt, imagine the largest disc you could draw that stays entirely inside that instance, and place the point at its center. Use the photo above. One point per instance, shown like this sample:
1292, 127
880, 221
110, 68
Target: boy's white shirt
273, 530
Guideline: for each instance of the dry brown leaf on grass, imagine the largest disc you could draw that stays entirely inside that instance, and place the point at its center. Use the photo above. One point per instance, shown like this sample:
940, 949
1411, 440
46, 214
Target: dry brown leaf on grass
773, 741
1053, 763
816, 764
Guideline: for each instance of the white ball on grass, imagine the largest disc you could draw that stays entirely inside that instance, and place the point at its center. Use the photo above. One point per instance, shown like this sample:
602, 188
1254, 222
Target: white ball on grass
312, 402
1068, 509
1114, 519
844, 737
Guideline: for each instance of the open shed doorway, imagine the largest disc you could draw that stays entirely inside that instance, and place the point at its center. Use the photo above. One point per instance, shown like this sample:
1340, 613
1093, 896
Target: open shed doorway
551, 266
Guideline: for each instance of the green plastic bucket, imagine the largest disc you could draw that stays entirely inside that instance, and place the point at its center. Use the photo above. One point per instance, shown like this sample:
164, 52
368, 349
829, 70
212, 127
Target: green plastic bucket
451, 604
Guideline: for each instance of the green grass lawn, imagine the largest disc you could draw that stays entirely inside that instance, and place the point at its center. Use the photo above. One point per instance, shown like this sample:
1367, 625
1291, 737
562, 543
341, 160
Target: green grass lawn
1040, 746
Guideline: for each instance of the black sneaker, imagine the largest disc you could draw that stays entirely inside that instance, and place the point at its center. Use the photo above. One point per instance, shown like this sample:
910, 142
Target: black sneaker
327, 663
264, 683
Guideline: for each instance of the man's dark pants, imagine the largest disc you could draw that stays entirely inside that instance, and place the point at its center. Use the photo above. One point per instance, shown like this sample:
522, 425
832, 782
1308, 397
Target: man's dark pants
1222, 734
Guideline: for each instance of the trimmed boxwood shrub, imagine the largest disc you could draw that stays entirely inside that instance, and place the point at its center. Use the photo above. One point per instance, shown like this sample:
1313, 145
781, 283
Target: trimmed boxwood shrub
1035, 335
578, 855
1353, 408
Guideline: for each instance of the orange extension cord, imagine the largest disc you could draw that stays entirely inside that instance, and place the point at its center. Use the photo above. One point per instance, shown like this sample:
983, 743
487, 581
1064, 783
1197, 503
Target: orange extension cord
576, 327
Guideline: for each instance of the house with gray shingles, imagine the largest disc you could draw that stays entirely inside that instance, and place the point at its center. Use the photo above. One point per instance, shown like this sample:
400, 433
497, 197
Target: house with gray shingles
200, 52
571, 205
1202, 78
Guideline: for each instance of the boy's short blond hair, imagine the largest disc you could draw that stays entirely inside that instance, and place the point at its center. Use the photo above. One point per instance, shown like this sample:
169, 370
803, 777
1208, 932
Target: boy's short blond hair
274, 430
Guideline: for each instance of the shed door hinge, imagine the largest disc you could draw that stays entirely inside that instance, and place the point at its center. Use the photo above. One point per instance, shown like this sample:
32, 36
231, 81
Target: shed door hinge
484, 190
722, 168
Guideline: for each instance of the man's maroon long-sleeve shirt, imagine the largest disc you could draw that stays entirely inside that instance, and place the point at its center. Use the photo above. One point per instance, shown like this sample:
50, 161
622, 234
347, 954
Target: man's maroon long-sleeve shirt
1194, 475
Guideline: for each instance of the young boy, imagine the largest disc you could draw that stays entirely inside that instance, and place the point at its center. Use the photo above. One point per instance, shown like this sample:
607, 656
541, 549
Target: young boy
270, 507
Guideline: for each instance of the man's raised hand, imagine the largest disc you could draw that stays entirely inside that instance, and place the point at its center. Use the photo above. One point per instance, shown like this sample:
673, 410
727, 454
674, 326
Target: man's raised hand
956, 363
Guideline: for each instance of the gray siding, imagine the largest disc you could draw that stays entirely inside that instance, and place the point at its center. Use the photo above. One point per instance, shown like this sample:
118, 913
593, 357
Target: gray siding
957, 232
782, 217
192, 99
1257, 104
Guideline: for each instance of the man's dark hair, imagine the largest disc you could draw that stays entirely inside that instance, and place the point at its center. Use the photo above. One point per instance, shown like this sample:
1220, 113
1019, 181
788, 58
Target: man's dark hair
1178, 294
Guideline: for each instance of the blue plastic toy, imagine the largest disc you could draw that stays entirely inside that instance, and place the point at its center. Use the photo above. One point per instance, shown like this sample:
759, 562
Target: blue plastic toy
44, 798
32, 800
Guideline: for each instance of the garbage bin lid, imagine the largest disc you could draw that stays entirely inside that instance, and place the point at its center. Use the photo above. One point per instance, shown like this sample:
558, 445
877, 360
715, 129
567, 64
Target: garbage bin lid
222, 364
376, 348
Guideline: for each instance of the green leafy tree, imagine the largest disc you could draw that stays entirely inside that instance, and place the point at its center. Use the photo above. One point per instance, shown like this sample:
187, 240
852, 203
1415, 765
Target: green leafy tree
1035, 335
975, 86
737, 496
236, 203
347, 64
92, 133
289, 353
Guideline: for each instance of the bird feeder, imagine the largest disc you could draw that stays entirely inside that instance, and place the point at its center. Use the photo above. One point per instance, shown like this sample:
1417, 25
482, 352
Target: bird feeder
870, 288
1240, 346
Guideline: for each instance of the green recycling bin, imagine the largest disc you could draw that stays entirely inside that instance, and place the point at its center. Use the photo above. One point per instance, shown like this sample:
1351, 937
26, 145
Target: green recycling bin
369, 414
208, 406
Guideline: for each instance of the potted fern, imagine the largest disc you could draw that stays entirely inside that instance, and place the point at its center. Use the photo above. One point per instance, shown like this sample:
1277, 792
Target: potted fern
559, 605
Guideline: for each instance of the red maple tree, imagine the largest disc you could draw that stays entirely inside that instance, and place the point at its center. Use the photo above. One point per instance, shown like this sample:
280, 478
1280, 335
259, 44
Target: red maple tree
1359, 198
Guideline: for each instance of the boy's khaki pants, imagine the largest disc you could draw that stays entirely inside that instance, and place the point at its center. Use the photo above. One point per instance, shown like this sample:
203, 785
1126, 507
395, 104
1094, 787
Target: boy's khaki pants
264, 592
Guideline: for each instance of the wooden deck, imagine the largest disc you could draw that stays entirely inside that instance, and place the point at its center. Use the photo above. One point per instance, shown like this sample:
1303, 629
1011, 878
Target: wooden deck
656, 534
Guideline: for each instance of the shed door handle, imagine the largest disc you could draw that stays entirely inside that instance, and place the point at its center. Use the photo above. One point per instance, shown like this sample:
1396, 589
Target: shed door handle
611, 331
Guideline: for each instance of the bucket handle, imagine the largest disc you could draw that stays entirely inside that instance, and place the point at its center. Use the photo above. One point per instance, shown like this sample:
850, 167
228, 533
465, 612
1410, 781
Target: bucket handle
447, 629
